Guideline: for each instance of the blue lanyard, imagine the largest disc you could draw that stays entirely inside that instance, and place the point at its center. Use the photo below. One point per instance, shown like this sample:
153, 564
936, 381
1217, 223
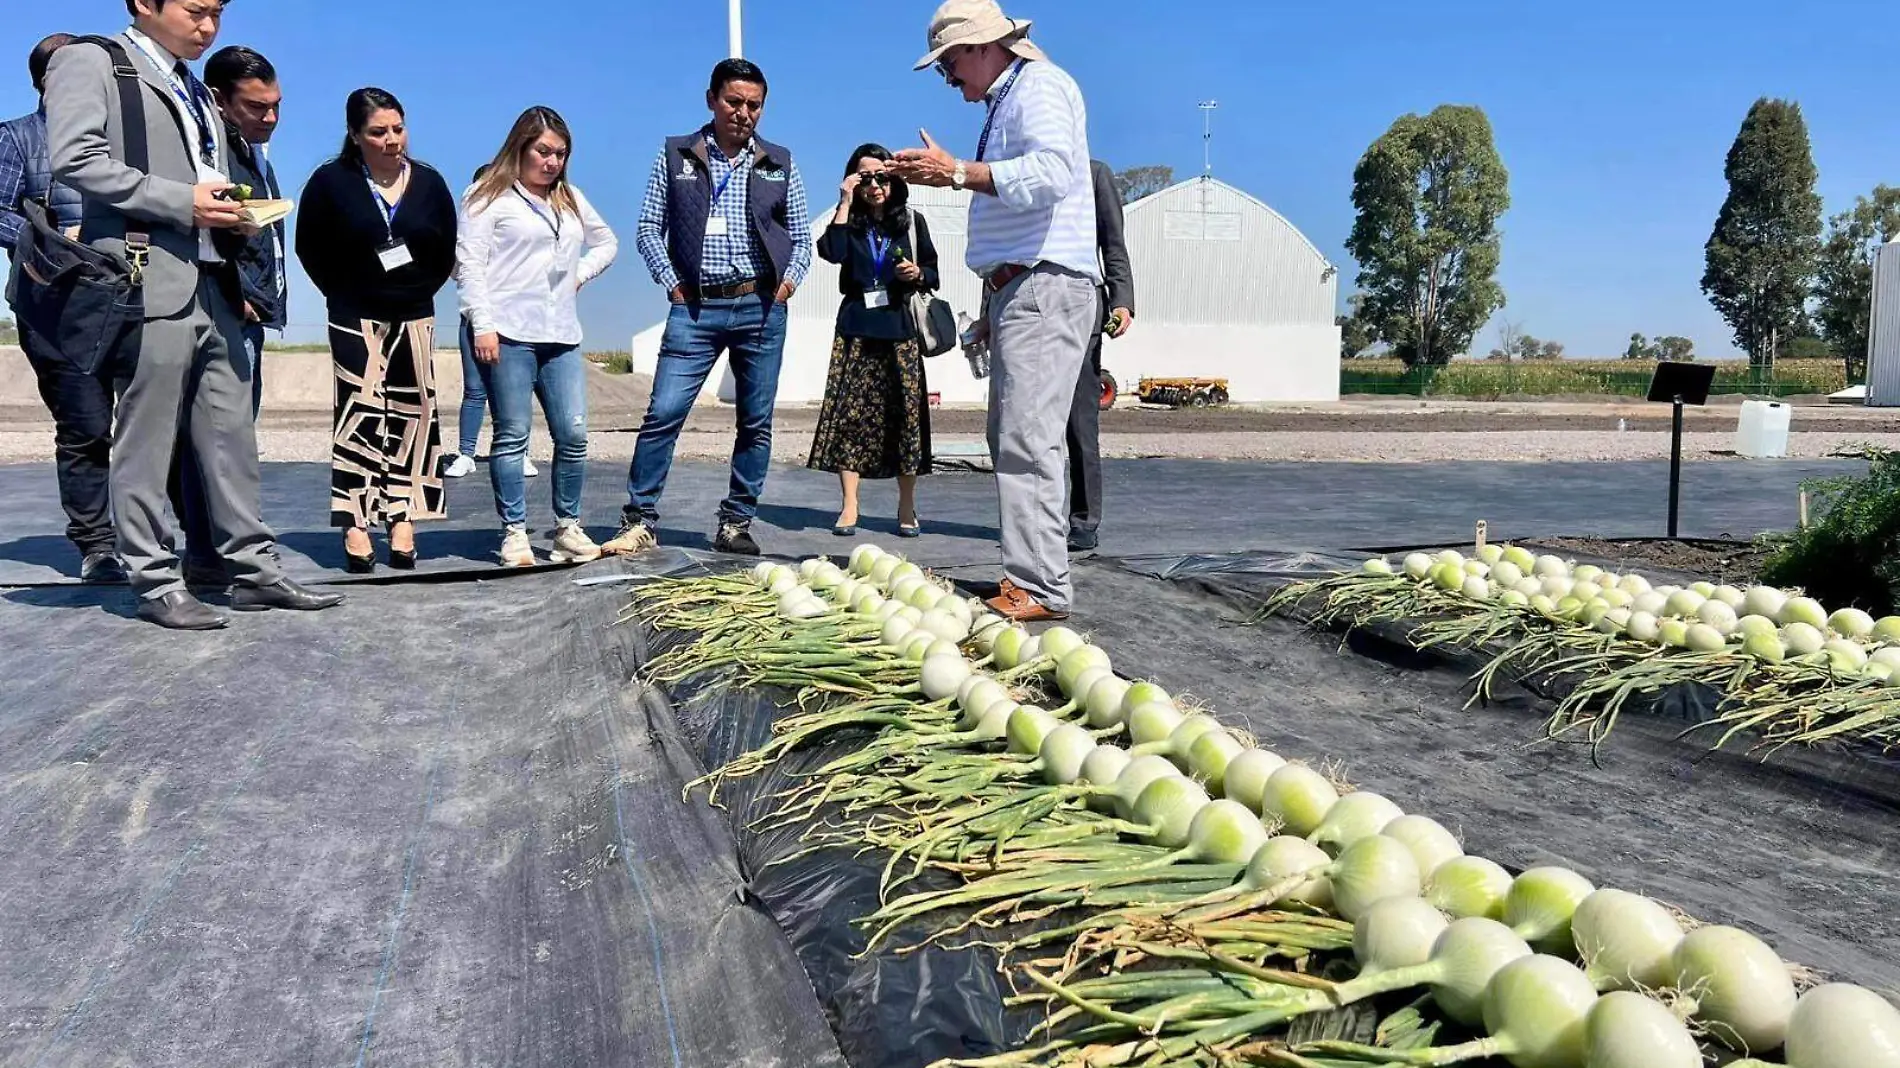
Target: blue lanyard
207, 140
983, 142
553, 224
720, 191
880, 253
389, 210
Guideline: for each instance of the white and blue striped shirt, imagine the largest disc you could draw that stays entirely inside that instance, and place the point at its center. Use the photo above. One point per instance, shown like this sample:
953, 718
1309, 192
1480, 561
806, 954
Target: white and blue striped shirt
1038, 152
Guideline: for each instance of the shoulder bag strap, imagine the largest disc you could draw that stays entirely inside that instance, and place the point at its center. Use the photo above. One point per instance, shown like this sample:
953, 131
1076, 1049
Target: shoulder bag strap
138, 150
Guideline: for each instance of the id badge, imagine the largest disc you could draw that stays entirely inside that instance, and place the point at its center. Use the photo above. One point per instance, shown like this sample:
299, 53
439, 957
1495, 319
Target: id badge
716, 226
877, 298
394, 256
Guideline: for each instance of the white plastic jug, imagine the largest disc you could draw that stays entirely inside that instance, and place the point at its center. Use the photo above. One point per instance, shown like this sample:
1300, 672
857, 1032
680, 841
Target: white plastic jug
1762, 430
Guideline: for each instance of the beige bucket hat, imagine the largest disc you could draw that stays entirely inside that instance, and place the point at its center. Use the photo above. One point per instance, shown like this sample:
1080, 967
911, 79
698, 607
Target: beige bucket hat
976, 22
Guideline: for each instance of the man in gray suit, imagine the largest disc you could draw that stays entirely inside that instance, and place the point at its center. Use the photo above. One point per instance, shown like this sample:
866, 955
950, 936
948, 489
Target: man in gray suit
1085, 423
190, 386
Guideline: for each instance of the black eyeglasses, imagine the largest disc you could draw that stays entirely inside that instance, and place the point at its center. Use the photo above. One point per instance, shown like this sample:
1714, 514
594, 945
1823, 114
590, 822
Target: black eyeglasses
873, 178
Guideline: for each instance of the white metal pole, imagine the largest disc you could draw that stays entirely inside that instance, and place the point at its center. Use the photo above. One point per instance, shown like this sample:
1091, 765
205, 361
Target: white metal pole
736, 32
1207, 135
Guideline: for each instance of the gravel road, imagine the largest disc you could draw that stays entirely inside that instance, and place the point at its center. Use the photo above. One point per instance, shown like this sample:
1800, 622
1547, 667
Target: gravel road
1382, 431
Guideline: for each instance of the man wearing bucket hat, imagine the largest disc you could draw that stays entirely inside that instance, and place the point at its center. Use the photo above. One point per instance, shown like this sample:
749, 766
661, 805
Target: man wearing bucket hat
1032, 241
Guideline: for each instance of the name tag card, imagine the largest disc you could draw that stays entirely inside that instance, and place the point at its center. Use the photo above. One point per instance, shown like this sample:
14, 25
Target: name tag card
394, 256
877, 298
716, 226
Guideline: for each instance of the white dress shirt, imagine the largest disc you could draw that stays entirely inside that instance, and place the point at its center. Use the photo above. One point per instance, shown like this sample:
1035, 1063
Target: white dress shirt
167, 65
1038, 154
517, 276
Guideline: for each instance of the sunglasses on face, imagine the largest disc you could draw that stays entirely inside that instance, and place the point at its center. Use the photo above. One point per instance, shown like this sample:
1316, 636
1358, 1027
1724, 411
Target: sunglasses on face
873, 178
947, 63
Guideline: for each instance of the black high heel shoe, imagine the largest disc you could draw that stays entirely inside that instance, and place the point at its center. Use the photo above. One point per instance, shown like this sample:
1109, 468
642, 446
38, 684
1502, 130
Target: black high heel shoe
361, 565
402, 559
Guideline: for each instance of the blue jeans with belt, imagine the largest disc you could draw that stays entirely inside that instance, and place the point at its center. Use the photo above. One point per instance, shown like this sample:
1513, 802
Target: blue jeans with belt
752, 331
558, 375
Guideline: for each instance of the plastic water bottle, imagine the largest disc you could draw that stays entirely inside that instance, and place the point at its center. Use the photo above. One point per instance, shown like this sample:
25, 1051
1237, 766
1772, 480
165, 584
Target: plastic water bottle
975, 351
1622, 425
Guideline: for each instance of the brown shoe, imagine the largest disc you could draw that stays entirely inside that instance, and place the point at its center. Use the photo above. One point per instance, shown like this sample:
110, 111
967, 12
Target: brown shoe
1017, 606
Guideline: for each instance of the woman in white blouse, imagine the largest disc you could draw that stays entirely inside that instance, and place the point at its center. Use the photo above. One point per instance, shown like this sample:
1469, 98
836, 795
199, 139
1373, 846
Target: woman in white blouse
527, 243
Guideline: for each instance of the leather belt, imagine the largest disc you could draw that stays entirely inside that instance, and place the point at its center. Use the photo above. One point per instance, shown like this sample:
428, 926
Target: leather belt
1004, 275
728, 291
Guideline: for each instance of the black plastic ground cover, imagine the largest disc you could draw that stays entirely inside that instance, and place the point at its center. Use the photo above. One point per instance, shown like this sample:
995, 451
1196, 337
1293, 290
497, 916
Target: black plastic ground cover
1247, 580
1801, 855
429, 827
890, 1008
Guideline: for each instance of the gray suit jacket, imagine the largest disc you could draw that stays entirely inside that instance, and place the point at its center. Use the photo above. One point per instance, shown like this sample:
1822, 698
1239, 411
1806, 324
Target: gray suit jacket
1111, 240
87, 145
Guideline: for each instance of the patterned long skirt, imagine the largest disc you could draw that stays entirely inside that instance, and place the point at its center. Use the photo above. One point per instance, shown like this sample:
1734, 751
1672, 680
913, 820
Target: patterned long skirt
875, 419
387, 442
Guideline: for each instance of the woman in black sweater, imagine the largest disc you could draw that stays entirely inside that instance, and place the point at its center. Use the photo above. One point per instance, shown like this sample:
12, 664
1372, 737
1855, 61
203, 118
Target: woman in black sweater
875, 420
376, 234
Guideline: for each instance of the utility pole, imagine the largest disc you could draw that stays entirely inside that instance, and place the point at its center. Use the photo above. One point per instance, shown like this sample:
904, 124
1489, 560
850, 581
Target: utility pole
735, 31
1207, 134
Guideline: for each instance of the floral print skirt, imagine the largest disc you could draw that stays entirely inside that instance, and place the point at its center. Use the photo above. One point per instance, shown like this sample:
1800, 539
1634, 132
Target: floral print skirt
875, 419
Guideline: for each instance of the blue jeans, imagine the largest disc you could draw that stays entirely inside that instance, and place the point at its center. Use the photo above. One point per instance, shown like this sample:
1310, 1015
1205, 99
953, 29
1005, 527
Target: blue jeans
558, 375
695, 335
474, 394
254, 343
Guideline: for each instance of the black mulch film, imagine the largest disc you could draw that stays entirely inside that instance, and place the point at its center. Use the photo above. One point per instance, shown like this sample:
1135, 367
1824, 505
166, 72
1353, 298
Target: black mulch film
1795, 849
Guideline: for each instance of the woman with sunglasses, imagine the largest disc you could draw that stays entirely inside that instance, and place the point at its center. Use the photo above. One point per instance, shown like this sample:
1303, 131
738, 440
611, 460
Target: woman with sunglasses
875, 420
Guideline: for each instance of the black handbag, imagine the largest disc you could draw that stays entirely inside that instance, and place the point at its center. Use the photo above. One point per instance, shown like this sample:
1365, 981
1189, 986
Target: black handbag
932, 324
85, 303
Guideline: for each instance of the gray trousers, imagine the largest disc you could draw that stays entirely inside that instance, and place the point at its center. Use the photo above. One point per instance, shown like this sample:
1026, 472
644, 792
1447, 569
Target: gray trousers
190, 390
1039, 336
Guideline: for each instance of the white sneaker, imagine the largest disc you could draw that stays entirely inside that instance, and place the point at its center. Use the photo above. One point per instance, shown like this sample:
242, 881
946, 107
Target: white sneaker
528, 470
460, 467
515, 550
572, 545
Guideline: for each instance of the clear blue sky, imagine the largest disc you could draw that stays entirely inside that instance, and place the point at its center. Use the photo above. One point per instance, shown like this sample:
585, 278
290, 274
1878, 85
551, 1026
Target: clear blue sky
1612, 117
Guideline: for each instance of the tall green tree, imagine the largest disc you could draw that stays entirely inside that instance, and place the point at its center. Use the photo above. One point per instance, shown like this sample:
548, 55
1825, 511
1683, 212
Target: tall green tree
1760, 260
1428, 194
1137, 182
1355, 334
1844, 286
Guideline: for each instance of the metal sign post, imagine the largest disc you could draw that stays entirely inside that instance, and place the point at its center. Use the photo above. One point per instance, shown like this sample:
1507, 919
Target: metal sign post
1678, 384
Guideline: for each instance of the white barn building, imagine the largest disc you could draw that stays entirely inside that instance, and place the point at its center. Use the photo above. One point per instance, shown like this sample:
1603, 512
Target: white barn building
1225, 287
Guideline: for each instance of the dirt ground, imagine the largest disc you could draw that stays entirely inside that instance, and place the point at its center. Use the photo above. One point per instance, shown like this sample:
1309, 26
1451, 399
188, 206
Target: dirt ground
1715, 560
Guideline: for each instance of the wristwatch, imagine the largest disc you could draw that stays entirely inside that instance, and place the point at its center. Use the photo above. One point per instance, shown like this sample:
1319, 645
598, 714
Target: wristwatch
959, 176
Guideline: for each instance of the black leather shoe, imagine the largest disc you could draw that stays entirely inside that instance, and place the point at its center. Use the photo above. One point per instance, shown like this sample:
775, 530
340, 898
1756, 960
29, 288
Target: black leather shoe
1081, 541
402, 560
180, 611
283, 594
103, 569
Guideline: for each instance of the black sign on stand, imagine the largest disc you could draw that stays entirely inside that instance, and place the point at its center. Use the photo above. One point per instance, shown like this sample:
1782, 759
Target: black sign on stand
1677, 384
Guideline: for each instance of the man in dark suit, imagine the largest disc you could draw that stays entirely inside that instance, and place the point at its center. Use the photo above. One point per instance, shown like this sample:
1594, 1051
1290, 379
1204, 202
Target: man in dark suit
1118, 303
188, 385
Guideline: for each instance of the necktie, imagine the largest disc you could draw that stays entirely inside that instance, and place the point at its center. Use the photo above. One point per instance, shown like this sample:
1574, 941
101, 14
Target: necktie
195, 99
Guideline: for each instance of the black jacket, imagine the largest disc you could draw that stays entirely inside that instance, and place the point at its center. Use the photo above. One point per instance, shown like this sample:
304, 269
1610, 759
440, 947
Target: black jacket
340, 230
259, 269
849, 246
1111, 240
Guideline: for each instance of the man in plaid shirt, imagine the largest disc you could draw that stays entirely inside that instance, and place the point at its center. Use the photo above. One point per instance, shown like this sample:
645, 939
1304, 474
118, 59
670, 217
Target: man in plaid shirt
726, 231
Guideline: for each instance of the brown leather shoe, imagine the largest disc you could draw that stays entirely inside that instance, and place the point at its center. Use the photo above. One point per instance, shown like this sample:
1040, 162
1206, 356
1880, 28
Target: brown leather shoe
1017, 606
